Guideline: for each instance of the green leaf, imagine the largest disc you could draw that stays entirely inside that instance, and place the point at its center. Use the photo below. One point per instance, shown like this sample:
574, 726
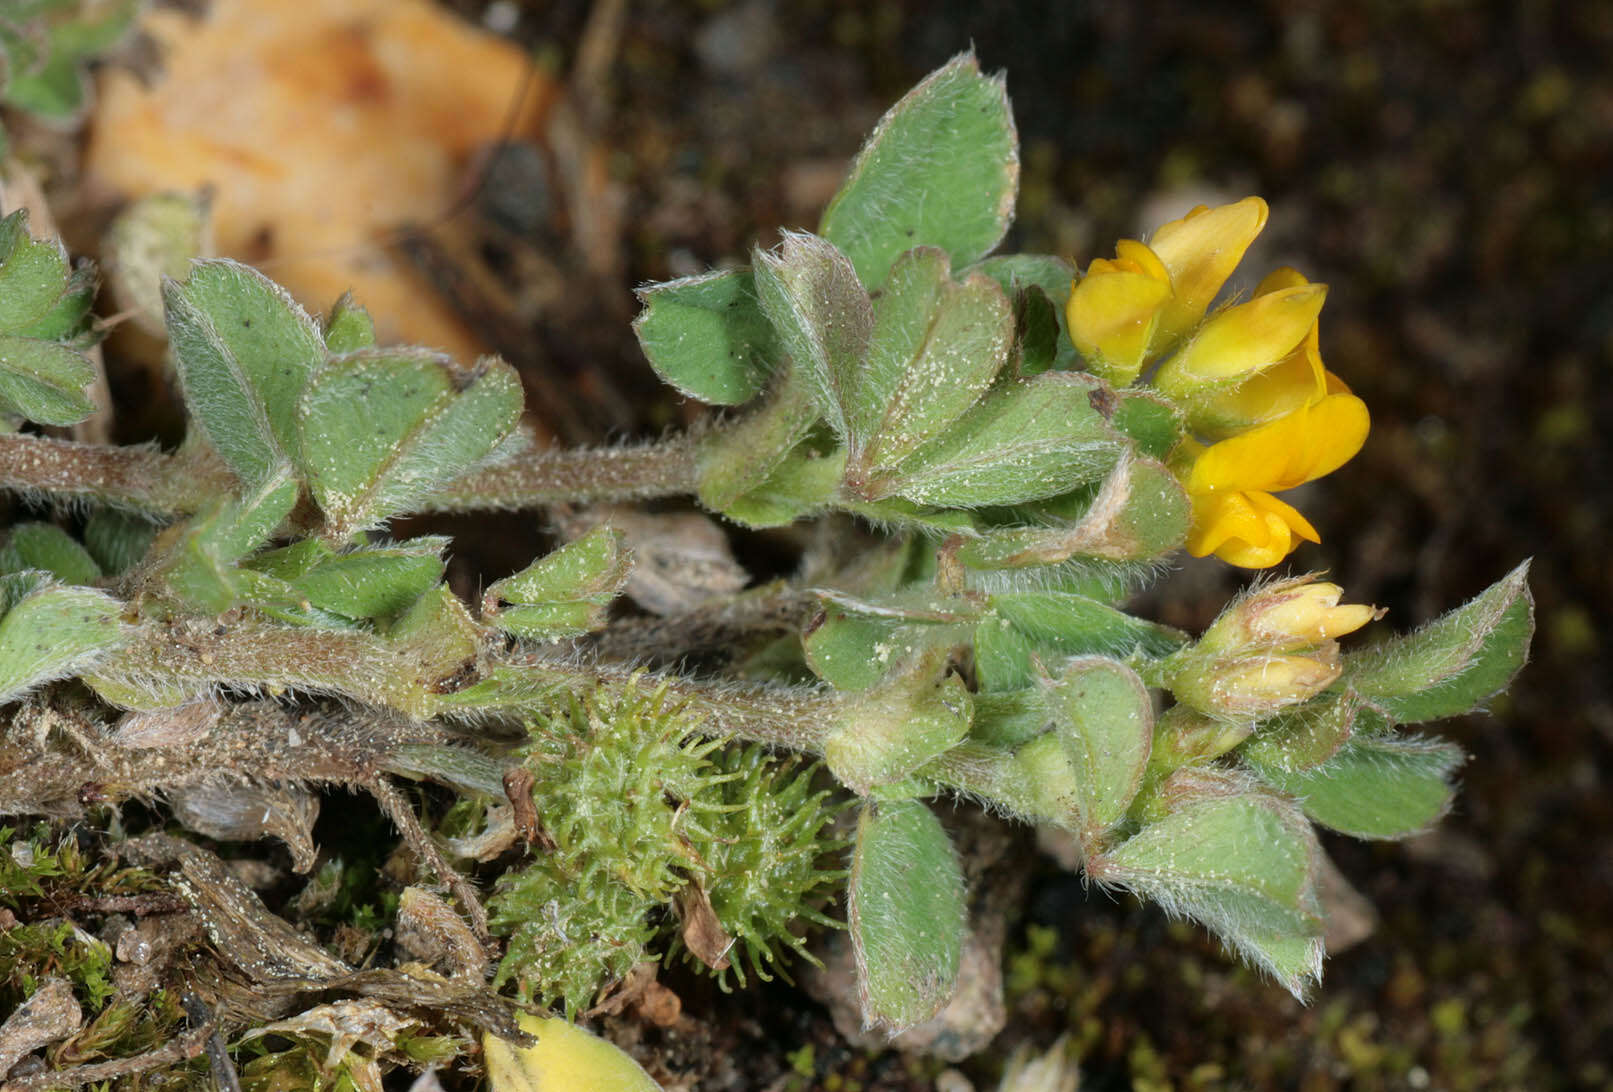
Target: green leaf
802, 484
67, 321
1152, 423
707, 336
438, 636
50, 631
198, 557
50, 83
822, 316
853, 644
33, 274
1454, 663
244, 351
1024, 627
565, 593
424, 422
1239, 861
1104, 717
1005, 656
883, 735
373, 581
1026, 440
1302, 738
117, 540
1036, 332
48, 548
941, 169
43, 381
907, 914
1075, 625
349, 327
1018, 274
936, 347
1376, 786
1139, 512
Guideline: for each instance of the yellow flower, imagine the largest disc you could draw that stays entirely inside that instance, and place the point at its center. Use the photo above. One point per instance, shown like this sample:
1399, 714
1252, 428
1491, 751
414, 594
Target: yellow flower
1231, 482
1295, 381
1242, 342
1129, 308
1200, 251
1114, 309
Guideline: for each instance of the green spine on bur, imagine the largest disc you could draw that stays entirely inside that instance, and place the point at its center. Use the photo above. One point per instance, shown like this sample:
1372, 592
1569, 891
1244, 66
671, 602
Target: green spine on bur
635, 807
763, 868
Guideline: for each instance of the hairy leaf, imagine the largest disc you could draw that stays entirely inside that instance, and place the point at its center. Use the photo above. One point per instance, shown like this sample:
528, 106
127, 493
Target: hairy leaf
941, 169
822, 316
424, 421
1027, 439
707, 336
908, 917
244, 351
937, 345
1241, 862
50, 631
1454, 663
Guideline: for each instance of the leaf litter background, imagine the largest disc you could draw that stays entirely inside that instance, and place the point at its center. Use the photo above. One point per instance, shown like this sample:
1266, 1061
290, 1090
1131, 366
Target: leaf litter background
1446, 167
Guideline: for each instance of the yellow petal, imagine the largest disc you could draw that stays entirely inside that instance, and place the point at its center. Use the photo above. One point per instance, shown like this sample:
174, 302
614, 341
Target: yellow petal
1219, 518
1293, 383
1287, 452
565, 1059
1300, 617
1284, 276
1201, 250
1143, 259
1253, 530
1112, 316
1243, 340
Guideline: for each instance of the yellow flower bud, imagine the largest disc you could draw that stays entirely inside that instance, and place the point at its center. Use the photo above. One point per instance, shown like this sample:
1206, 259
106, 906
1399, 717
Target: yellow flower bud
1285, 616
1258, 686
1299, 617
1242, 341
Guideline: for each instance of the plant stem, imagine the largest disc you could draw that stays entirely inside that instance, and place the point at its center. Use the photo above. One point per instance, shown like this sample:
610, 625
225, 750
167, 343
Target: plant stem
535, 479
143, 480
163, 486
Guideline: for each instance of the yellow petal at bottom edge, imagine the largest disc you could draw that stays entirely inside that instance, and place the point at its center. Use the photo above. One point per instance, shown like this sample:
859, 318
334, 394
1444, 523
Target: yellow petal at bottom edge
1252, 530
565, 1059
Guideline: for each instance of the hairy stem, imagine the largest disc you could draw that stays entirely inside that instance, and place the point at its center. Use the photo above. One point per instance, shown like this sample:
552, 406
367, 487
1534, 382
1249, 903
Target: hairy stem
163, 486
135, 479
535, 479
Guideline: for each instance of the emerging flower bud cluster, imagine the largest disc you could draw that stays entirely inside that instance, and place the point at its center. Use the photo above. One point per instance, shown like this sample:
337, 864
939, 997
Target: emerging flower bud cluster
1249, 378
1274, 647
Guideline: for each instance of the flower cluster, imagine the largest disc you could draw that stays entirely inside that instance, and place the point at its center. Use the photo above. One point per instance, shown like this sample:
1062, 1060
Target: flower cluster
1265, 414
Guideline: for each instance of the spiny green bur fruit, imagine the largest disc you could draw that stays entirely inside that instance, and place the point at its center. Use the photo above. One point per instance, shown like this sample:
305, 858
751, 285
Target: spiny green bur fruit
642, 815
230, 620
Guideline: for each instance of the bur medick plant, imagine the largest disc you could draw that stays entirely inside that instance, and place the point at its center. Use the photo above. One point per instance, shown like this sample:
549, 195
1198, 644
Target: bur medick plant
1033, 444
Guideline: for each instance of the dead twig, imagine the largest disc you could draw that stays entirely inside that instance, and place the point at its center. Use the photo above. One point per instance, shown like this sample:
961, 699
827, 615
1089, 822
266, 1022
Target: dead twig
403, 817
